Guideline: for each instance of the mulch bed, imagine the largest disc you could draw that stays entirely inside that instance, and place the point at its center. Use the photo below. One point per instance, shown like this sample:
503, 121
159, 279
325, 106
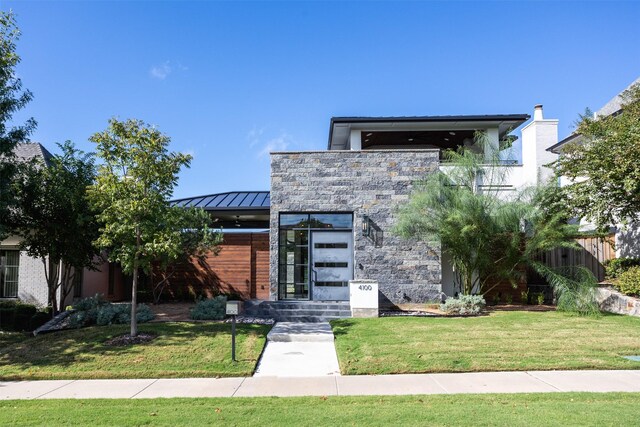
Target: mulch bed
124, 340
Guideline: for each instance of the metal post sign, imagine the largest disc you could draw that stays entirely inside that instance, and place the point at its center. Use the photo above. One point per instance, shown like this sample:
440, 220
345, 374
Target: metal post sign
233, 308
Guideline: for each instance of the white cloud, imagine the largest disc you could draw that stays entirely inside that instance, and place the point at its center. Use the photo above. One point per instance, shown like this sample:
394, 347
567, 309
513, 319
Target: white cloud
160, 72
280, 143
254, 136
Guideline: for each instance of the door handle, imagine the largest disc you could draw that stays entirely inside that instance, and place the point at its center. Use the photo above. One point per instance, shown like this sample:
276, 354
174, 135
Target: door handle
314, 275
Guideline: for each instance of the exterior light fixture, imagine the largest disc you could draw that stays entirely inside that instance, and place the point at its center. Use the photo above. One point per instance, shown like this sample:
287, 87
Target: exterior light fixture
366, 229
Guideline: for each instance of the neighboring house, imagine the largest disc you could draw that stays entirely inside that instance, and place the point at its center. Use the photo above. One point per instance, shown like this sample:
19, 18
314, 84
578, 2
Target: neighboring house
23, 277
330, 213
627, 238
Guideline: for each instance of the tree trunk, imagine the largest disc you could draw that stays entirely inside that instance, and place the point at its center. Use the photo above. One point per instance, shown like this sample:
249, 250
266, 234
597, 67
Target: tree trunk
134, 308
134, 288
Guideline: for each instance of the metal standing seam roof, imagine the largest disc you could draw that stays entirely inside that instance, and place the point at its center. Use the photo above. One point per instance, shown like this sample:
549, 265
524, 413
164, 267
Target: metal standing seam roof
234, 200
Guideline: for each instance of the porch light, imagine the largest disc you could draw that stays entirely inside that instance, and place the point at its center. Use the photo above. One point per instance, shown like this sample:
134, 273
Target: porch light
365, 226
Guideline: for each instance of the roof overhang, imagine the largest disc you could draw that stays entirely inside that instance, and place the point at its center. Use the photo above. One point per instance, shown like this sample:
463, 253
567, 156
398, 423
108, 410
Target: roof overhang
557, 148
341, 127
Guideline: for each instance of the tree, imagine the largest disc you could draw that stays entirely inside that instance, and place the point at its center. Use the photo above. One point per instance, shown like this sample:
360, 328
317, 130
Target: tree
135, 180
197, 239
489, 238
603, 166
12, 99
54, 219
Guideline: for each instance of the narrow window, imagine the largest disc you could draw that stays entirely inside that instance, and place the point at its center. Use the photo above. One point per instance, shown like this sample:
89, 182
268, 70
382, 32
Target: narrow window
9, 266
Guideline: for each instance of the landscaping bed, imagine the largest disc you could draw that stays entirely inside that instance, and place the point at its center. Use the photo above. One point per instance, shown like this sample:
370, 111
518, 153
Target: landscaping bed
179, 350
540, 409
497, 341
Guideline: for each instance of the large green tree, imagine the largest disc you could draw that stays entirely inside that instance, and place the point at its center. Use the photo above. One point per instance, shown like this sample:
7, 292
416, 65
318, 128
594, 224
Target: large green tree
135, 181
602, 166
12, 99
54, 218
490, 237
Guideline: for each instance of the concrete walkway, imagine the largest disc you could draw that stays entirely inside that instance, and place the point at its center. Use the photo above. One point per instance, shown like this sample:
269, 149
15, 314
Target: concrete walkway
482, 382
299, 350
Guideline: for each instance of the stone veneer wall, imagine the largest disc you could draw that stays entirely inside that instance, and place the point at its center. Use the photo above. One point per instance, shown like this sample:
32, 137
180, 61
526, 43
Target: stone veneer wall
370, 183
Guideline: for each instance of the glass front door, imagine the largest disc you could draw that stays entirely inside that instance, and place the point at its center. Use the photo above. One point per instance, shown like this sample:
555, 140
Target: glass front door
331, 265
308, 270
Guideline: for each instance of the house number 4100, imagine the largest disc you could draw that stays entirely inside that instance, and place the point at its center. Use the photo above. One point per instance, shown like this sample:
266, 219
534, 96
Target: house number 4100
365, 287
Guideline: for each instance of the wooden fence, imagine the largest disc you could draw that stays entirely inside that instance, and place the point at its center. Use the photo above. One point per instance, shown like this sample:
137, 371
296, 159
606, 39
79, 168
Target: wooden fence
593, 255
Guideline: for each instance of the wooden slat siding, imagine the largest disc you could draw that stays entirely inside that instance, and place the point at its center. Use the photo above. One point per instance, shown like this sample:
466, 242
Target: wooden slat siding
260, 265
240, 267
593, 255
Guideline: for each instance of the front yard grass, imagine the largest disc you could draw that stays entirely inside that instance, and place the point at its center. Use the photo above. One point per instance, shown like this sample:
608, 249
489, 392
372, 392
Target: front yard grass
499, 341
551, 409
180, 350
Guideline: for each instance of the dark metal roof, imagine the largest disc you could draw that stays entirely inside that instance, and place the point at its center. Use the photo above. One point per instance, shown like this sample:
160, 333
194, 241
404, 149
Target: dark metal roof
457, 118
234, 200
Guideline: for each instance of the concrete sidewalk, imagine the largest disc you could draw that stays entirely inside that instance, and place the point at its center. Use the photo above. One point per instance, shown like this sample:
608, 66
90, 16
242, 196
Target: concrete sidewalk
299, 350
481, 382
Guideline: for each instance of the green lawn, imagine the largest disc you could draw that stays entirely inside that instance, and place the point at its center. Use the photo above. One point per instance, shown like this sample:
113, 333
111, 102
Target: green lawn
585, 409
180, 350
7, 338
501, 340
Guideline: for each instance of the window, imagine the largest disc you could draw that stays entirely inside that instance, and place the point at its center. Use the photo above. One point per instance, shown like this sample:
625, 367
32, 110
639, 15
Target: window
77, 283
294, 258
9, 264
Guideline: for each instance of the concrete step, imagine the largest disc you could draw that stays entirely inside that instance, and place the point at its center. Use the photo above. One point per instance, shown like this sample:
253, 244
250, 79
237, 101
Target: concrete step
298, 311
300, 332
304, 319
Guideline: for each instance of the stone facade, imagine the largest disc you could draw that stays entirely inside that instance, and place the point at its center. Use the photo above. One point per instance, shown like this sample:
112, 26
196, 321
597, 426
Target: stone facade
371, 183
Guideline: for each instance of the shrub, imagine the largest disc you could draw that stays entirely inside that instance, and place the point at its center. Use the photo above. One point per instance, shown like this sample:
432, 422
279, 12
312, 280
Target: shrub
524, 297
540, 298
96, 310
39, 319
16, 315
86, 304
210, 309
615, 267
629, 281
508, 299
110, 314
464, 304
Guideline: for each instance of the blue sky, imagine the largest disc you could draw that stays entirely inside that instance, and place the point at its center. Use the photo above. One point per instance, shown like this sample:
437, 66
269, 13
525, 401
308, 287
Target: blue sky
228, 82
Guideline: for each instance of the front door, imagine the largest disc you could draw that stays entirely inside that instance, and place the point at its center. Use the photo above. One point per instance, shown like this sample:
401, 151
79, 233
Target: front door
331, 265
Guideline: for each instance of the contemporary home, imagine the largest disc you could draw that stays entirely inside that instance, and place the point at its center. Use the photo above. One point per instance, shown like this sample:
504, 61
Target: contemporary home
328, 217
330, 214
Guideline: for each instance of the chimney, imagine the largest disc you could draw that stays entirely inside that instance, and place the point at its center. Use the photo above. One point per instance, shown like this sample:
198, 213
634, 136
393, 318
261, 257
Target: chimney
537, 113
537, 136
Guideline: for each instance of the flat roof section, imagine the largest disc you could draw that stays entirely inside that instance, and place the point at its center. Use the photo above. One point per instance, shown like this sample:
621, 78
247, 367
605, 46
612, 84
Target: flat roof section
341, 127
